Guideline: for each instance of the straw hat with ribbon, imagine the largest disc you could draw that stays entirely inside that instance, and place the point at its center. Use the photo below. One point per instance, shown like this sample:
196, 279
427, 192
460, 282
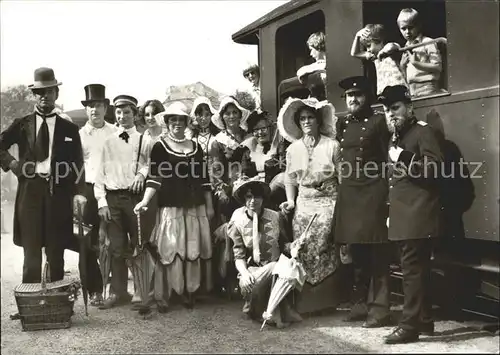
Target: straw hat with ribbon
289, 129
217, 119
175, 109
241, 185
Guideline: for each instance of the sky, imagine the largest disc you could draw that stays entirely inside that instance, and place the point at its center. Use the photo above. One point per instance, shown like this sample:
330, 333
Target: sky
136, 48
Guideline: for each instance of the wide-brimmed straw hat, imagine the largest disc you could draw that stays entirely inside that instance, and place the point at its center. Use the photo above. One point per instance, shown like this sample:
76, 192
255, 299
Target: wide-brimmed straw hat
289, 129
200, 101
175, 109
217, 119
245, 182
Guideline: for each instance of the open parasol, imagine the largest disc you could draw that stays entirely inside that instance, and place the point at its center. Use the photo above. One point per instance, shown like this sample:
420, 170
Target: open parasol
142, 266
83, 243
291, 274
104, 256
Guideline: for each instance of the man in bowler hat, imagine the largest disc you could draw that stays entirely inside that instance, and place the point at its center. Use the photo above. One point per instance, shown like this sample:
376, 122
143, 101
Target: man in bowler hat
415, 209
361, 209
93, 135
51, 179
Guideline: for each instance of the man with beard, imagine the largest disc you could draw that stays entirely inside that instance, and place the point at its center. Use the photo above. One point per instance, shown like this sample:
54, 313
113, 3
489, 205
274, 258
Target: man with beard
361, 209
93, 134
415, 209
51, 179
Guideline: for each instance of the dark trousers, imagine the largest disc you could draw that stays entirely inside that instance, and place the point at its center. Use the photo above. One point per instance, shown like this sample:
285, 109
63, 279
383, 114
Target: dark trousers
416, 267
38, 229
90, 217
123, 224
371, 279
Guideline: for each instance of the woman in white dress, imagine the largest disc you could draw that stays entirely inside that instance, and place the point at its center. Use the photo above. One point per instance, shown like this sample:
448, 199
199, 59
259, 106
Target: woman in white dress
311, 180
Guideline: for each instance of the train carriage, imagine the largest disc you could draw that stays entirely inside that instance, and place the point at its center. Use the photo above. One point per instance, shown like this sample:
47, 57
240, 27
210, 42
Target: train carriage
468, 109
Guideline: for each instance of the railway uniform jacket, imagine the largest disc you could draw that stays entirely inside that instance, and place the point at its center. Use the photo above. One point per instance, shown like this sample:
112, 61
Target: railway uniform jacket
414, 195
361, 209
66, 151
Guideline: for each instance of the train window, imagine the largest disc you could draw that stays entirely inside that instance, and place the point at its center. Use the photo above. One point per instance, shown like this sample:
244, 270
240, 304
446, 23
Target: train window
292, 53
432, 15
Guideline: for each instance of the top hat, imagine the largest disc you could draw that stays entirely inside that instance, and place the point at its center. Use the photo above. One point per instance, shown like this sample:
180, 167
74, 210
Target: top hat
95, 92
44, 78
392, 94
121, 100
356, 83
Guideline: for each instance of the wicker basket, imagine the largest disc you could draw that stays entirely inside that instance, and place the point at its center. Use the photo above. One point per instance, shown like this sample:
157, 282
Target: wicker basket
46, 305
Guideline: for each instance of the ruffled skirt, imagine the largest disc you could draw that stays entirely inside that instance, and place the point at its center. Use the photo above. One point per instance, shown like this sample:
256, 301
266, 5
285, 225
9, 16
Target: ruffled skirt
182, 236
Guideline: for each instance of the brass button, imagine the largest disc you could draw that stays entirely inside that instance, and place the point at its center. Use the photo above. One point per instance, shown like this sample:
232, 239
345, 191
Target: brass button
366, 119
342, 140
364, 129
361, 149
360, 138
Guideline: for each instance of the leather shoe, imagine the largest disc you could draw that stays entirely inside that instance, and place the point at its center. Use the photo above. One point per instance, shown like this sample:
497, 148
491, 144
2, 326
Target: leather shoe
354, 318
426, 329
378, 323
115, 300
402, 336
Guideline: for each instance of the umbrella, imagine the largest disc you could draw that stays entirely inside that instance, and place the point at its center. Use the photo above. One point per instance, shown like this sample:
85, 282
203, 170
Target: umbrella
142, 266
82, 259
291, 274
104, 256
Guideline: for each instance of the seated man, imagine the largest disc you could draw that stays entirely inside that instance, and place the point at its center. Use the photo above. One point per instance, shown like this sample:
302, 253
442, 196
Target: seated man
259, 239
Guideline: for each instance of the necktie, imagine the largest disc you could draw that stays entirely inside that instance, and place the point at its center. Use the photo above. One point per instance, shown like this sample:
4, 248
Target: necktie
255, 238
42, 141
124, 136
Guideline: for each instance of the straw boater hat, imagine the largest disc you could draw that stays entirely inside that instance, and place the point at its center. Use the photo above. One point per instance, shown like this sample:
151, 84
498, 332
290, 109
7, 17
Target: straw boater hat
289, 129
243, 183
202, 100
44, 78
175, 109
217, 117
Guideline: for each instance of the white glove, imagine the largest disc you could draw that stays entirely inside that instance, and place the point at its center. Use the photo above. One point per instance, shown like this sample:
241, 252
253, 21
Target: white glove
394, 153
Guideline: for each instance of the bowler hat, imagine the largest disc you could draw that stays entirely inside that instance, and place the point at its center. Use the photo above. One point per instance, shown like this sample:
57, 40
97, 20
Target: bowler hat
356, 83
44, 78
121, 100
95, 92
392, 94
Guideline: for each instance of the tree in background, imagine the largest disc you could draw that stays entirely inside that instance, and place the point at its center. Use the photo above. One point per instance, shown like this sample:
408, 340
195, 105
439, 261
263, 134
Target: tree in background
245, 99
17, 101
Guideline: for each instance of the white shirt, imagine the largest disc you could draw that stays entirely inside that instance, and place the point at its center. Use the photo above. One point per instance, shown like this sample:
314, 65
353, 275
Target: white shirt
92, 143
117, 168
44, 166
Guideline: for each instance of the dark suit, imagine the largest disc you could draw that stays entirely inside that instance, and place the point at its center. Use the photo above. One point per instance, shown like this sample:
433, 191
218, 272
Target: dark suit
361, 209
415, 215
43, 214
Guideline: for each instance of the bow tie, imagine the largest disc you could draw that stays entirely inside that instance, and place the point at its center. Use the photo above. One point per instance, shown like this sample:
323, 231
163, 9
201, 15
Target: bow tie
124, 136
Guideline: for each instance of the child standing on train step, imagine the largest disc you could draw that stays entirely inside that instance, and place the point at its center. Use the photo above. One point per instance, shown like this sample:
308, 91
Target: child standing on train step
423, 65
368, 43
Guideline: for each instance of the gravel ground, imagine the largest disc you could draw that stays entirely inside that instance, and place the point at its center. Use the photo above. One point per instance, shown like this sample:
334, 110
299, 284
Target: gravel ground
214, 326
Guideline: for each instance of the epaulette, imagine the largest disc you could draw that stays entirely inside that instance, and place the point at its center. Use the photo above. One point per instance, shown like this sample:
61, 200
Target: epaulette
422, 123
378, 112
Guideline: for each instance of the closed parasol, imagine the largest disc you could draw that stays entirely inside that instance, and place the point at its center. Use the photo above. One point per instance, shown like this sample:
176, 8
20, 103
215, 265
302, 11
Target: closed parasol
104, 256
83, 243
142, 265
290, 274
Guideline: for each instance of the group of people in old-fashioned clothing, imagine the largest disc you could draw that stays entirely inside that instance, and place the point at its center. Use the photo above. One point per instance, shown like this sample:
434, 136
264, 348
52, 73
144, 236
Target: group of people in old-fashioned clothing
223, 194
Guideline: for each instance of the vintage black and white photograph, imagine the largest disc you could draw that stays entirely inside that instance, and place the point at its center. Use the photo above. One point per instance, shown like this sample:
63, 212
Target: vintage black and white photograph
249, 176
